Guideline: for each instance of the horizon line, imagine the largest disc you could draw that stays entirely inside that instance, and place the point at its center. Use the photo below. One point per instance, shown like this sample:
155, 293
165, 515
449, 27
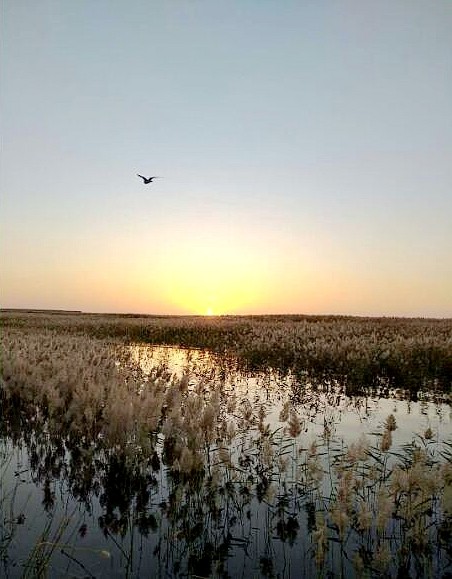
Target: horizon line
248, 315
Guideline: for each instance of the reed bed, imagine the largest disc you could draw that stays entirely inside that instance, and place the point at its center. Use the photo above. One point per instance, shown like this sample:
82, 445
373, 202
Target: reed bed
204, 475
410, 353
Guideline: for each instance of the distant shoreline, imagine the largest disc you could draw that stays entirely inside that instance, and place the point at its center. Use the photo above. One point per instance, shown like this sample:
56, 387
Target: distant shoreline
39, 311
219, 316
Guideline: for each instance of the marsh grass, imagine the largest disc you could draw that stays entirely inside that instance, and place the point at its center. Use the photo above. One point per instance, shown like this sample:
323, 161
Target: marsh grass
409, 353
37, 563
206, 475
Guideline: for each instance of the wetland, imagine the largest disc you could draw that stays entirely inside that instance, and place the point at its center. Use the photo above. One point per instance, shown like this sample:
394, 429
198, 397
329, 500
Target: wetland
264, 446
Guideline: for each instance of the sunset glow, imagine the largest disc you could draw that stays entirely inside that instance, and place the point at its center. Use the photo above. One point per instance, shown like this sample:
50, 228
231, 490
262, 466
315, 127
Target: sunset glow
199, 278
304, 164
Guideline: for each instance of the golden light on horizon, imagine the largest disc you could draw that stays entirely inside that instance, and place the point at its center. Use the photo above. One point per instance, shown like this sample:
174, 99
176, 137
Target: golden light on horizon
211, 279
210, 270
212, 292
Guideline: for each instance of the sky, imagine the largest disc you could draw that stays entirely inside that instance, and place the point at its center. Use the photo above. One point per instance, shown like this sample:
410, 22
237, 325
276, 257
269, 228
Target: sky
304, 149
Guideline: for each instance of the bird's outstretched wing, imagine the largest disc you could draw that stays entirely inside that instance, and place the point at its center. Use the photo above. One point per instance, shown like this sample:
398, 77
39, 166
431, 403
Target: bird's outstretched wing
144, 178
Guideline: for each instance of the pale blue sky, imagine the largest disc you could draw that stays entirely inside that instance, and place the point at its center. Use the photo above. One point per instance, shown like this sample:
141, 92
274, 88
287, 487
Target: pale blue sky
305, 149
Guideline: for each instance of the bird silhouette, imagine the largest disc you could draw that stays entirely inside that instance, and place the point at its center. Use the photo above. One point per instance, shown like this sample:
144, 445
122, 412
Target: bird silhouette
147, 180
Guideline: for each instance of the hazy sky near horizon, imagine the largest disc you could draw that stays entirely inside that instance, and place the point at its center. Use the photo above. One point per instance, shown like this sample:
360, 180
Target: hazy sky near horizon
305, 149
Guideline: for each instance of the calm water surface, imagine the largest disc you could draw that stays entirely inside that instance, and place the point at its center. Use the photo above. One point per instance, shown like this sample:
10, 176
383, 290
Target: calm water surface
349, 416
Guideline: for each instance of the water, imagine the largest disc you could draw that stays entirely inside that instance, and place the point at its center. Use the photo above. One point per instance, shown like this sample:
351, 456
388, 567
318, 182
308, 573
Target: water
100, 512
348, 416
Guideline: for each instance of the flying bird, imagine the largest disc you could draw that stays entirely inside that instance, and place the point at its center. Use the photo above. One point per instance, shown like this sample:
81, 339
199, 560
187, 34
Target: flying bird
147, 180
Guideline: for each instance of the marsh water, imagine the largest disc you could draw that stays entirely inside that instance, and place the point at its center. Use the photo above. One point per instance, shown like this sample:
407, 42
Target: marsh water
99, 512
